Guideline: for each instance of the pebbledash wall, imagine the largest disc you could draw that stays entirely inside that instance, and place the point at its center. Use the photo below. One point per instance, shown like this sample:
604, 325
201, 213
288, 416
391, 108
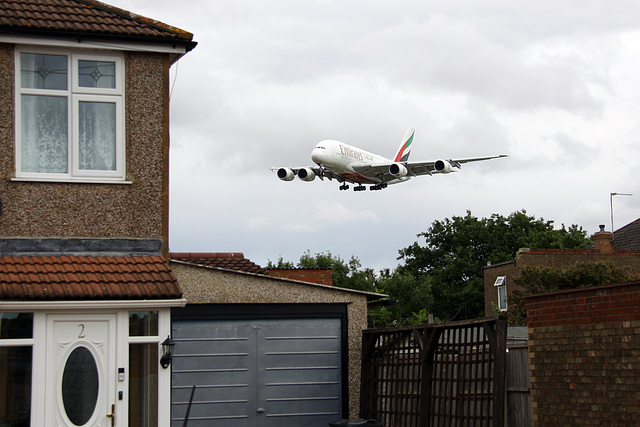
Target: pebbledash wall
584, 354
136, 209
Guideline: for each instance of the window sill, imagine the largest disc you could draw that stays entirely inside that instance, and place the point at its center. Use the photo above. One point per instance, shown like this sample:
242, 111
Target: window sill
68, 180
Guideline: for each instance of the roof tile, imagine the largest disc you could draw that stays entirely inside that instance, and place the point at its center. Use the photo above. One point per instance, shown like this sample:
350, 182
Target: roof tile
227, 260
86, 17
85, 277
627, 237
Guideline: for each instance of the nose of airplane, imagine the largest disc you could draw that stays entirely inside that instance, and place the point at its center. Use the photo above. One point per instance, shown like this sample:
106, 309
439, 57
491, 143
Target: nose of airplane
317, 153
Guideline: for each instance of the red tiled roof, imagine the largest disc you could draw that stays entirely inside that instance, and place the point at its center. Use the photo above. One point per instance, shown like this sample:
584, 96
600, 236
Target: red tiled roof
86, 277
228, 260
85, 17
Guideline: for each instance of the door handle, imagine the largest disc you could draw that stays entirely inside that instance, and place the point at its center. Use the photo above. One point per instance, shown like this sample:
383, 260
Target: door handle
112, 414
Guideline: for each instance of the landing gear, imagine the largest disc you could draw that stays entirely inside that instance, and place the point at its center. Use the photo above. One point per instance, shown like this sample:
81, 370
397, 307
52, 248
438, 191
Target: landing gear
378, 187
361, 187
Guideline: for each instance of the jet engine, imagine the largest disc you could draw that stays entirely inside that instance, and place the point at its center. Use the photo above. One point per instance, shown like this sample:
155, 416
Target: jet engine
443, 166
306, 174
286, 174
398, 169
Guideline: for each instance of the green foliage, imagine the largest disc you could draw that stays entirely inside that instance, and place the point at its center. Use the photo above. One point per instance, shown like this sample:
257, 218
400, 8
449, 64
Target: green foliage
444, 275
281, 264
535, 280
456, 250
412, 294
348, 275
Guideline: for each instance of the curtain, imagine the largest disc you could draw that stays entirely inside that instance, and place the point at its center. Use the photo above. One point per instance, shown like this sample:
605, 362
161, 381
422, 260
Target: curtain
97, 136
44, 136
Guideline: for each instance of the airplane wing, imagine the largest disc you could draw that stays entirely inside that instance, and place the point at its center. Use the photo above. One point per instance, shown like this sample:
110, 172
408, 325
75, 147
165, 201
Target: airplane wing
388, 171
444, 166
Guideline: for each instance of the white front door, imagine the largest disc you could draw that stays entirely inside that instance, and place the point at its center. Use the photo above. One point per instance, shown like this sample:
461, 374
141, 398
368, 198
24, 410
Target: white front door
81, 370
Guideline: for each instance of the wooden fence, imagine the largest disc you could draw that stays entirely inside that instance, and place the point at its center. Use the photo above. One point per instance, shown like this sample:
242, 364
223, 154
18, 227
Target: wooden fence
518, 390
435, 375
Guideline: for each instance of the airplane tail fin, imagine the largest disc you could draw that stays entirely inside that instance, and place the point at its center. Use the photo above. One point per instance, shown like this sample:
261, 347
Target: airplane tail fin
405, 148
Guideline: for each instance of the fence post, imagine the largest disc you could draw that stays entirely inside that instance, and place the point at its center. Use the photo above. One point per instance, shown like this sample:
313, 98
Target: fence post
499, 372
428, 345
368, 348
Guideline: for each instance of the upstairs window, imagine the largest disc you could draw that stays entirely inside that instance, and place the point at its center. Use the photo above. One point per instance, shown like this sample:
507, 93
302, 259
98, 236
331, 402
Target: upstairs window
69, 116
501, 284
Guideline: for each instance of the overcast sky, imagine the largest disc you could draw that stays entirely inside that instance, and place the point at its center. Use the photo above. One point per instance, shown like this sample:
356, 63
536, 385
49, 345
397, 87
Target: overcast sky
555, 84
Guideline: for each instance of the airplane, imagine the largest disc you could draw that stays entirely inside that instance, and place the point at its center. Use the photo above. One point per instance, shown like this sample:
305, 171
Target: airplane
348, 164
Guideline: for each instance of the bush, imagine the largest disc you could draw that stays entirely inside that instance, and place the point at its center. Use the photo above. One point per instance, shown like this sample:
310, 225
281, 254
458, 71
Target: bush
537, 280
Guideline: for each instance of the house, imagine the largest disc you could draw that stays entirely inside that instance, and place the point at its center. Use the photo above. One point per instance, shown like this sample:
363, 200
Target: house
89, 293
85, 287
621, 247
262, 348
627, 237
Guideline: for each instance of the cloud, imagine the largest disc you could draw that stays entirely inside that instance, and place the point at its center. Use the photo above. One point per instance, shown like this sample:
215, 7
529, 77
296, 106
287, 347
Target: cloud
333, 212
299, 227
259, 222
553, 84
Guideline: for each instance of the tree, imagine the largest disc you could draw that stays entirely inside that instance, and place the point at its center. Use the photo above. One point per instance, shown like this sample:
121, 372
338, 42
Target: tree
350, 275
535, 280
411, 297
281, 264
456, 250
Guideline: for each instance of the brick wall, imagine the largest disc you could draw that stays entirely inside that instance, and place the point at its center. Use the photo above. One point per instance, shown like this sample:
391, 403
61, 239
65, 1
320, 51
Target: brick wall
549, 258
321, 277
584, 354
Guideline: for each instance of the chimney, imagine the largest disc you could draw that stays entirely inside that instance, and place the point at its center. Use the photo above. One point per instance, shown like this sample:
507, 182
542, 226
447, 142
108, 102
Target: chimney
602, 241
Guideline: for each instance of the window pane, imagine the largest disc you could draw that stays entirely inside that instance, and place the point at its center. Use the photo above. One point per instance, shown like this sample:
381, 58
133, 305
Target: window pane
143, 323
98, 74
502, 297
143, 384
15, 386
44, 134
97, 136
16, 325
38, 71
80, 386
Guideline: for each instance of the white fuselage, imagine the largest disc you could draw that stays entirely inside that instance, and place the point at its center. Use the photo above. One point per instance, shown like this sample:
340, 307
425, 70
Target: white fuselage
340, 157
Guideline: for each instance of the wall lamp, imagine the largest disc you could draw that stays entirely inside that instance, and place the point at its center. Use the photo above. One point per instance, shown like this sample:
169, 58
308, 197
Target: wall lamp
167, 350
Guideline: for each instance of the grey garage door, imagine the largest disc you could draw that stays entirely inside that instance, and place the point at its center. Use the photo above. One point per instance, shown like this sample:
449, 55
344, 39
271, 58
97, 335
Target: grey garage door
258, 373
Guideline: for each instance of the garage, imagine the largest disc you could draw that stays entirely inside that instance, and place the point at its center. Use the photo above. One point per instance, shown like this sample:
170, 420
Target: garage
259, 365
264, 351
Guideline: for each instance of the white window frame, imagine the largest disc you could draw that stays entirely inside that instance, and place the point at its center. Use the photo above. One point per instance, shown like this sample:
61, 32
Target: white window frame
164, 375
75, 94
501, 285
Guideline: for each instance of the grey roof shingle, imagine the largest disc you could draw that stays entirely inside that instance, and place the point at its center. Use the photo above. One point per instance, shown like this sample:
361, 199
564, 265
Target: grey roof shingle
627, 237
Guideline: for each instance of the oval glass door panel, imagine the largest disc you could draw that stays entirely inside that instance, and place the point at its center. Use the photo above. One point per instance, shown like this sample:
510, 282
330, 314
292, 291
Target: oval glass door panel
80, 385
